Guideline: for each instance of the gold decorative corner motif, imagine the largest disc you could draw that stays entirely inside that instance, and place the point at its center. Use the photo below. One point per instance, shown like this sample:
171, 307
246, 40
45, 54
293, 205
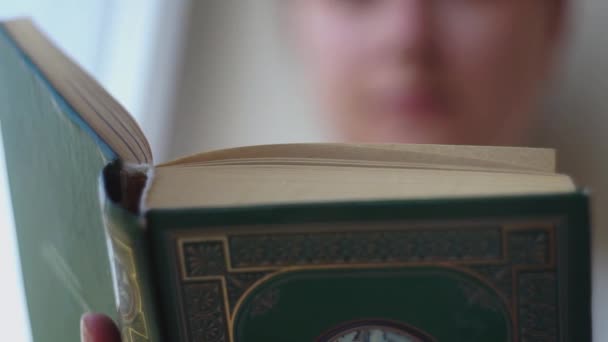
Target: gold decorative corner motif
512, 258
128, 294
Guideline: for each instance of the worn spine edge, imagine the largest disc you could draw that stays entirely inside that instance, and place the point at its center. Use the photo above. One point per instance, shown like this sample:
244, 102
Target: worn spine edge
121, 191
124, 184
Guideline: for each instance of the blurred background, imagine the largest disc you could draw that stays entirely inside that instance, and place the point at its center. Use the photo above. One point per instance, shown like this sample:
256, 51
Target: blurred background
200, 75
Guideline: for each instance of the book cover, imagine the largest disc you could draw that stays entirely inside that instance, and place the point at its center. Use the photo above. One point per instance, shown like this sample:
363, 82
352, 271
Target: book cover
502, 269
53, 161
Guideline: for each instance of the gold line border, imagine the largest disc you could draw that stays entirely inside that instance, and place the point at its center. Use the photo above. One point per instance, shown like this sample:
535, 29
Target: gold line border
136, 290
180, 237
379, 266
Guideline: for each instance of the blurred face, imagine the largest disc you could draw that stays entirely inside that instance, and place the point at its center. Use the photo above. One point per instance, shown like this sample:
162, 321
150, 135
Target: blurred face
427, 71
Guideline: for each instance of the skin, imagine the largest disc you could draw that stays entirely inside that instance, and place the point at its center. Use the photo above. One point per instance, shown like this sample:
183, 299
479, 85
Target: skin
419, 71
98, 328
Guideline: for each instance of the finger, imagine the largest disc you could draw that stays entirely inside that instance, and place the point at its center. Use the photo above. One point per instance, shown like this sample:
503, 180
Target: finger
98, 328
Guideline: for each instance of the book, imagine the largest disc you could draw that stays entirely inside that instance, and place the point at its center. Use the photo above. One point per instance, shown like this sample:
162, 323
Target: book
294, 242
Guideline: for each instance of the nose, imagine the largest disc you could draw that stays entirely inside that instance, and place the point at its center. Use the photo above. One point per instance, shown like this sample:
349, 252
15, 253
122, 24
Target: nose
407, 25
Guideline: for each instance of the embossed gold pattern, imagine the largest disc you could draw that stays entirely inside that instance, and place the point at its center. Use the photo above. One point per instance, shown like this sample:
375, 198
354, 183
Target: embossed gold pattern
134, 327
206, 316
495, 254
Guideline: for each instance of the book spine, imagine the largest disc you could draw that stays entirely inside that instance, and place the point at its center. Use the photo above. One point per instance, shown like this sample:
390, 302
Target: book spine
131, 272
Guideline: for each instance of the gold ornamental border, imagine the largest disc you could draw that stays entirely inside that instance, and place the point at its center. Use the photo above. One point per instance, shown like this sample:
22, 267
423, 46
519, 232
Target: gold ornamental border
222, 235
123, 251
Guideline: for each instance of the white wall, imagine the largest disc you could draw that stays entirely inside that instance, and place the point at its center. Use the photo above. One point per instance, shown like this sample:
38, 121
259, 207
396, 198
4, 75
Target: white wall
236, 89
236, 85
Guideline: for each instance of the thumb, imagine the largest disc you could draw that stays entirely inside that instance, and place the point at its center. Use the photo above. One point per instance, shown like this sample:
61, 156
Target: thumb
98, 328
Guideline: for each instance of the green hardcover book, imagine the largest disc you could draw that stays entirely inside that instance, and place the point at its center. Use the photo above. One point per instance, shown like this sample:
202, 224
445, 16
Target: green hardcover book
299, 242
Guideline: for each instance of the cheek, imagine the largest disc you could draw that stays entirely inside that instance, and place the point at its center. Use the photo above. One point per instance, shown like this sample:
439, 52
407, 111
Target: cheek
327, 41
493, 62
331, 44
335, 62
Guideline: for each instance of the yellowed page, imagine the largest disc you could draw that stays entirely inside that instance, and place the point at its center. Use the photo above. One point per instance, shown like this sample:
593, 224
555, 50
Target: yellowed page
229, 185
444, 156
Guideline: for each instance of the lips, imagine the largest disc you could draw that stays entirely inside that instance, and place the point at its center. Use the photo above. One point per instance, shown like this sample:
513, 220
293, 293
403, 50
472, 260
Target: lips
417, 102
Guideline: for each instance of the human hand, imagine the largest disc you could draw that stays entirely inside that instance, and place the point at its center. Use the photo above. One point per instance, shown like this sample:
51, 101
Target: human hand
98, 328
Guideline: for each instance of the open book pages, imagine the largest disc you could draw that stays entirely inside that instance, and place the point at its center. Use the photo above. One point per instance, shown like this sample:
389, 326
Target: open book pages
108, 119
295, 173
